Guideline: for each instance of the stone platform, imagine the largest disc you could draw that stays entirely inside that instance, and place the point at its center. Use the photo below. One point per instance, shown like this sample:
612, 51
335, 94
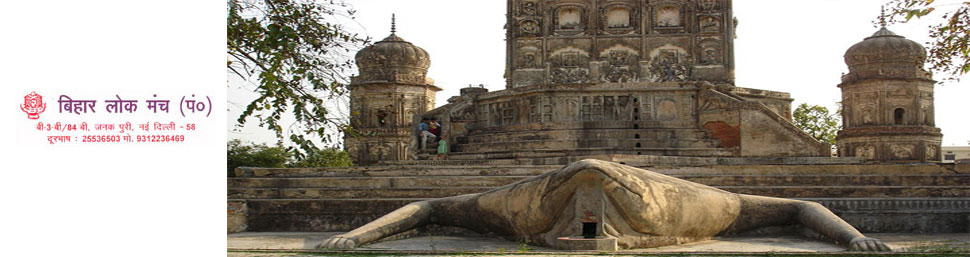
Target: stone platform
885, 198
252, 244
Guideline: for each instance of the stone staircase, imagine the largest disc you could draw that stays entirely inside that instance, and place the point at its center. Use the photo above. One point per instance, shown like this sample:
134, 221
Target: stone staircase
579, 142
928, 198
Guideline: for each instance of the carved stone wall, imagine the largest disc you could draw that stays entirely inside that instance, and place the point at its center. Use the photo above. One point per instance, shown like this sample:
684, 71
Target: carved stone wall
382, 116
619, 41
663, 118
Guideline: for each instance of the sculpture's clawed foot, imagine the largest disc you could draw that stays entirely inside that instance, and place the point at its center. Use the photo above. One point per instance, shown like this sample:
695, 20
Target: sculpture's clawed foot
338, 242
867, 244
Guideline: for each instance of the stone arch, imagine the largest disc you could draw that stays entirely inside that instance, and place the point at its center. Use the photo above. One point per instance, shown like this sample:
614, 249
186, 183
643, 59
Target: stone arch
618, 17
569, 17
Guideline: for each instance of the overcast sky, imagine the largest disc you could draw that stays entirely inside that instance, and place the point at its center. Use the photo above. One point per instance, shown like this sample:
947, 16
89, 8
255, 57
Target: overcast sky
789, 46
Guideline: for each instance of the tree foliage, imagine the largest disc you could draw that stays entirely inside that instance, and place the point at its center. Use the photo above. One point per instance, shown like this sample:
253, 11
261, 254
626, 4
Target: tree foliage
949, 50
293, 51
241, 154
817, 121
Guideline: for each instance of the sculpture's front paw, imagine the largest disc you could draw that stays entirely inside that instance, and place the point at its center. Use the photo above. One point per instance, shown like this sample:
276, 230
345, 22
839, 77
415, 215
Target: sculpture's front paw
867, 244
338, 242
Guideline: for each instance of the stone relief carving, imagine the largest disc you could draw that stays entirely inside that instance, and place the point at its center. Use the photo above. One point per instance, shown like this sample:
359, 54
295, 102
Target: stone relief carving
931, 152
868, 116
620, 66
569, 66
530, 28
902, 151
710, 51
708, 5
529, 8
528, 58
671, 66
866, 151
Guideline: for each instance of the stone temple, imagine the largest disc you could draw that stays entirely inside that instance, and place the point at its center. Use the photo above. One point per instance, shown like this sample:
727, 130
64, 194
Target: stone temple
584, 78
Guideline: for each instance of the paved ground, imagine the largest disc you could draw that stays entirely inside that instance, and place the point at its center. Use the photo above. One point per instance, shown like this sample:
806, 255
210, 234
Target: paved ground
277, 244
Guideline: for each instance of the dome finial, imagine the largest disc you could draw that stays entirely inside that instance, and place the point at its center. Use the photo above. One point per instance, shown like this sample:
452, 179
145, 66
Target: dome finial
882, 16
393, 24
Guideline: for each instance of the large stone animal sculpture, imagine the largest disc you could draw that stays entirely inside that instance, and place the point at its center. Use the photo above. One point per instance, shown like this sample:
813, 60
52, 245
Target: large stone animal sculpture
612, 204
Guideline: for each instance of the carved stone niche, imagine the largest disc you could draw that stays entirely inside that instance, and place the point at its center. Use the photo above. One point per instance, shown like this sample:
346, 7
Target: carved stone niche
528, 57
709, 51
569, 19
619, 18
668, 17
709, 24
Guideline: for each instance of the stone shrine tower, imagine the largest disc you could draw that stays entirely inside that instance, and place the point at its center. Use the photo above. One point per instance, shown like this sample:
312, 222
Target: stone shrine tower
887, 100
391, 89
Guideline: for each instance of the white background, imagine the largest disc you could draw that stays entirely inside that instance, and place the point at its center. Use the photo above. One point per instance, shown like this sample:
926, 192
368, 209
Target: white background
112, 200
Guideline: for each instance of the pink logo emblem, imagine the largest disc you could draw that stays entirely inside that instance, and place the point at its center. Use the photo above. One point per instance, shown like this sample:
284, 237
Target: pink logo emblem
33, 105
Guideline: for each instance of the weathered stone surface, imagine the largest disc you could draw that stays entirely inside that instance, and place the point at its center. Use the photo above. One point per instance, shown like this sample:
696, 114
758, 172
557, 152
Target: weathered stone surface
638, 208
236, 221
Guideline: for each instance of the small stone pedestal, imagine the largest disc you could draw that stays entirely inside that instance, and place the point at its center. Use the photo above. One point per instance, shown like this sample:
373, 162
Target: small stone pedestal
600, 243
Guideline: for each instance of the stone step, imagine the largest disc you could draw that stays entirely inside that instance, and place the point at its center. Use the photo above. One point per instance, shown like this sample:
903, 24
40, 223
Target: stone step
496, 181
562, 157
375, 182
851, 191
350, 193
626, 132
438, 192
869, 215
829, 180
400, 170
827, 169
616, 144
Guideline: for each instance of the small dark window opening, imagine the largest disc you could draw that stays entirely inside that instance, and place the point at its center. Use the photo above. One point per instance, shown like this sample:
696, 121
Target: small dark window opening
589, 229
637, 136
639, 153
638, 145
898, 116
950, 157
636, 126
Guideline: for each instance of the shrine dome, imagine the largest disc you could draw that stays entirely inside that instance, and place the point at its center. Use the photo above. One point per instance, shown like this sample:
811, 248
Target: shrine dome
393, 52
885, 54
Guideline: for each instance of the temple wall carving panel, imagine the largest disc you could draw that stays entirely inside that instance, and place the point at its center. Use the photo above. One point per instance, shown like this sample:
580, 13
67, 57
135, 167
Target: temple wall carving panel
589, 41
